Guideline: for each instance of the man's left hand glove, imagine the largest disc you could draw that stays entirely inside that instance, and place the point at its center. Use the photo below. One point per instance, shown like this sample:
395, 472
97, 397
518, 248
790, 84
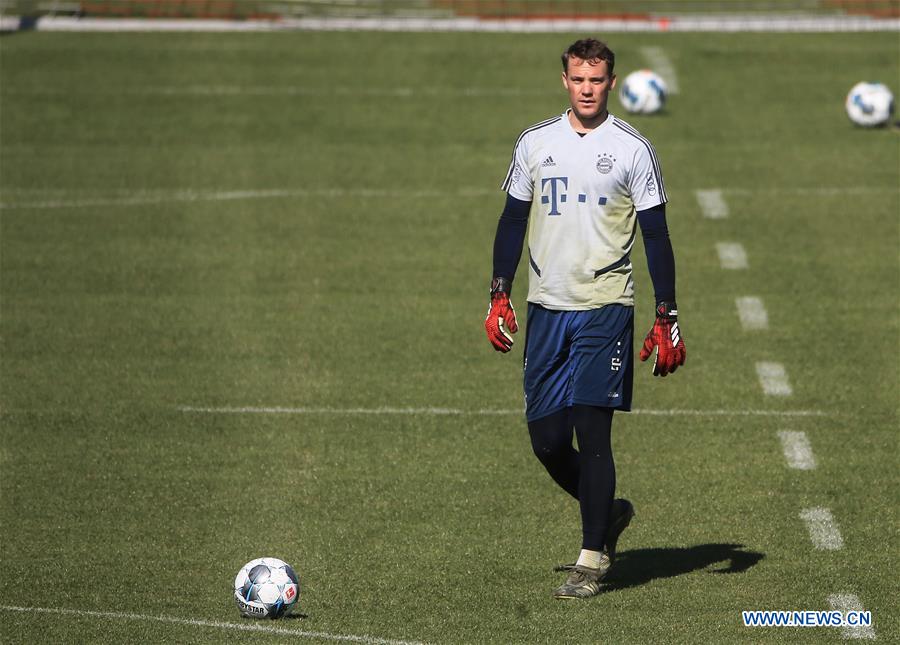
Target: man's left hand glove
501, 316
666, 338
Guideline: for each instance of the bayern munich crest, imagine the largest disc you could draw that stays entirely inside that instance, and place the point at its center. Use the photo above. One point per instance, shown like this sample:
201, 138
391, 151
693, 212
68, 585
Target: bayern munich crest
605, 163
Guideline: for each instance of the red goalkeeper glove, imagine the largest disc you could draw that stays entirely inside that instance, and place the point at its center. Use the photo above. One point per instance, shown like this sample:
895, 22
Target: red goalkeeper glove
666, 338
501, 318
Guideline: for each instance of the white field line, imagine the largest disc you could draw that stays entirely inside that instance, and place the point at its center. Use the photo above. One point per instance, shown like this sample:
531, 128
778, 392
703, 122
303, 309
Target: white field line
242, 627
690, 23
773, 379
823, 530
660, 63
752, 313
282, 90
348, 411
712, 204
846, 602
797, 450
75, 199
816, 192
731, 255
161, 197
477, 412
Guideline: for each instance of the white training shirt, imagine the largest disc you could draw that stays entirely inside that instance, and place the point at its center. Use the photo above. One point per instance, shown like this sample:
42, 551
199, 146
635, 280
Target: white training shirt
585, 192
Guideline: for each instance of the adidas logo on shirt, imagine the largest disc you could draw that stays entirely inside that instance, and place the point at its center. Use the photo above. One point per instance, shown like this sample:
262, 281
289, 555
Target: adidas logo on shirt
548, 162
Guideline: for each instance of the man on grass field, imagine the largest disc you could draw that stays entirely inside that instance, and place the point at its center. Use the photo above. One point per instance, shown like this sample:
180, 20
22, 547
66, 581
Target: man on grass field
593, 177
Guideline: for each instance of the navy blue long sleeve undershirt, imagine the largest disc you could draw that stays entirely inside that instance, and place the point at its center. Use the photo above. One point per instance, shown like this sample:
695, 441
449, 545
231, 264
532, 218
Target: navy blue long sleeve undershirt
658, 247
510, 239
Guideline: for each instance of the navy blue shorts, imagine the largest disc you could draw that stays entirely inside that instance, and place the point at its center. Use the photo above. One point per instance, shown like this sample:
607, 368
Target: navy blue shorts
582, 357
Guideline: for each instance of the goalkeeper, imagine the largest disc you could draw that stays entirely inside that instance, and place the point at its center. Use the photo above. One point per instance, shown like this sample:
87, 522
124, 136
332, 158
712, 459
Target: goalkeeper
592, 178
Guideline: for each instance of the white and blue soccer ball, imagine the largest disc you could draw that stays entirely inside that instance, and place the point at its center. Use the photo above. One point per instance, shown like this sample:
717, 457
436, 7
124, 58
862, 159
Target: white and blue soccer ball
266, 588
869, 104
643, 92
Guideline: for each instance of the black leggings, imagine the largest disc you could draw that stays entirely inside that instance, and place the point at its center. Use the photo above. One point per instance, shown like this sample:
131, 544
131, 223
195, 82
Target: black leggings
587, 474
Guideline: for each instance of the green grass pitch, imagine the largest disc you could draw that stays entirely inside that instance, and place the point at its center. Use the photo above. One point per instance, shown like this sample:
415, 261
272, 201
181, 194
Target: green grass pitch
137, 279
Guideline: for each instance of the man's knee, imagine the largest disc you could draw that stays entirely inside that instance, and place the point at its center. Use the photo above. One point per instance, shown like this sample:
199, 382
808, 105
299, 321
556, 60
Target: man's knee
551, 436
547, 451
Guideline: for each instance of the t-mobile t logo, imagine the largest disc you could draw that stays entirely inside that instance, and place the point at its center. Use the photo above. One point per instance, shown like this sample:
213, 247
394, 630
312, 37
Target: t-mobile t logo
556, 197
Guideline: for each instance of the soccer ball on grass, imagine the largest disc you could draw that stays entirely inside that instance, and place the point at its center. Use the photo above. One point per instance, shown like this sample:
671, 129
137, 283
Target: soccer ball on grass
869, 104
266, 588
643, 92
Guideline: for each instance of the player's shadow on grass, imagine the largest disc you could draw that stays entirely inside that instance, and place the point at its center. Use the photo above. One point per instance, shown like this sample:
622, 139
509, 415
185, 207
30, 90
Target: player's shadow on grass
639, 566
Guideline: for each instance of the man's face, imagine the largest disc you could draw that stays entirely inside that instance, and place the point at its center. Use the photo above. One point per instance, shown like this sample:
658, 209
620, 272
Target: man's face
588, 84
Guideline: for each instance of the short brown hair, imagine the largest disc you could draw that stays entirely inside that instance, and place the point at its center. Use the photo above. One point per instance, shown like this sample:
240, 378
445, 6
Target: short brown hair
589, 49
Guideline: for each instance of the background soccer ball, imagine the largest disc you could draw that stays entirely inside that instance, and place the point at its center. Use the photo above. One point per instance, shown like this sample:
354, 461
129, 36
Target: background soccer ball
266, 588
869, 104
643, 92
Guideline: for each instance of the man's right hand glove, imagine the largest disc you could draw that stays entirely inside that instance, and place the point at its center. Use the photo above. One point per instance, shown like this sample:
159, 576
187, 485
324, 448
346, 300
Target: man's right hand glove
666, 337
501, 318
